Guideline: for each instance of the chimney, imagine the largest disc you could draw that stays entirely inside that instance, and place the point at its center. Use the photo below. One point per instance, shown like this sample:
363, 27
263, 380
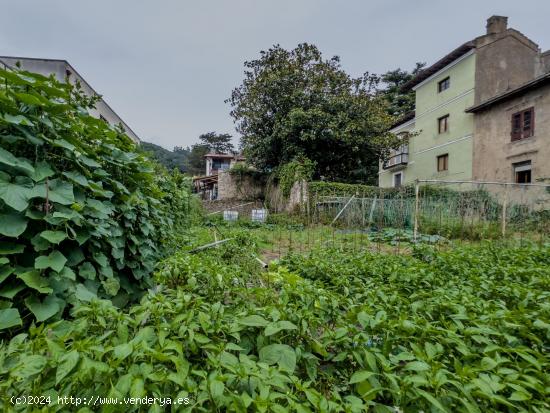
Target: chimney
497, 24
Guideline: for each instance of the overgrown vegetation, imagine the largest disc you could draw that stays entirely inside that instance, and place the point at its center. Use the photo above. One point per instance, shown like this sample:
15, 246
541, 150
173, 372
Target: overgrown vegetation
82, 213
458, 331
300, 169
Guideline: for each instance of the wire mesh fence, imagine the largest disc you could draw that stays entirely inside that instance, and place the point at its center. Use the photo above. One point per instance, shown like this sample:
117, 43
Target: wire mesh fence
434, 212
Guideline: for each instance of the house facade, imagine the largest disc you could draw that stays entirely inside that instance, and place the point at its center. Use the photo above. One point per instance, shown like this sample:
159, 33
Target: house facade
444, 131
63, 71
219, 162
512, 134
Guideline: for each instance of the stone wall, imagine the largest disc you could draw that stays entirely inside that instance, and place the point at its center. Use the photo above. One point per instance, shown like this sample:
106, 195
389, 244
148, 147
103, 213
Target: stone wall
239, 187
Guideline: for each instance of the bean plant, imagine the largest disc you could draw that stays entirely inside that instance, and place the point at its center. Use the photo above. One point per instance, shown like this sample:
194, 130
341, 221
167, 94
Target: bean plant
461, 330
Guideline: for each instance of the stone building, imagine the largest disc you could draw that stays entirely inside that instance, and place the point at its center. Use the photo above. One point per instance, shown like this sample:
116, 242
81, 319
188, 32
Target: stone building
445, 132
512, 134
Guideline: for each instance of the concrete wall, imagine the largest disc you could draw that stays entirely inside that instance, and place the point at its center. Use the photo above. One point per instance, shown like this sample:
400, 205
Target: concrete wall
60, 69
494, 151
504, 61
235, 187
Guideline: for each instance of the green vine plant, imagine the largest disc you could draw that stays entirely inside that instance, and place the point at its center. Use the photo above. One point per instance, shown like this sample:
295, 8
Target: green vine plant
297, 170
245, 175
82, 215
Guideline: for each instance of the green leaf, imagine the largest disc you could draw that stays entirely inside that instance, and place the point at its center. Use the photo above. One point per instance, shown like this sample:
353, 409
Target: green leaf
417, 366
281, 354
216, 389
8, 248
30, 366
35, 281
17, 119
277, 326
42, 310
68, 273
87, 270
12, 225
9, 317
5, 271
432, 400
55, 237
88, 161
42, 170
39, 243
111, 286
16, 194
67, 362
55, 190
11, 290
360, 376
83, 294
487, 363
520, 396
77, 178
20, 164
123, 350
56, 261
253, 321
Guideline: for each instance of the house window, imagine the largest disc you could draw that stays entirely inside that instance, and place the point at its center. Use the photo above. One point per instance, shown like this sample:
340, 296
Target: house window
444, 84
443, 124
397, 179
443, 163
103, 118
523, 124
522, 172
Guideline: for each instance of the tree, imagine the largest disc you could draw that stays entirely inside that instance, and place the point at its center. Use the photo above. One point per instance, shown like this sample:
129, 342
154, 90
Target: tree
170, 159
294, 104
400, 102
195, 164
217, 143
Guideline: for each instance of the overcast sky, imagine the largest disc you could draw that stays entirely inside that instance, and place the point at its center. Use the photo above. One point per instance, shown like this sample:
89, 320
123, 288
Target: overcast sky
166, 66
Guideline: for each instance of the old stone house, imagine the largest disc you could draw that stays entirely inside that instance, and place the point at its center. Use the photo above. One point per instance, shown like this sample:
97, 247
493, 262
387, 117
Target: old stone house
512, 134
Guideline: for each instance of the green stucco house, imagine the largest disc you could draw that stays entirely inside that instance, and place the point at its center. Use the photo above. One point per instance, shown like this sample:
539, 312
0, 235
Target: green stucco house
442, 129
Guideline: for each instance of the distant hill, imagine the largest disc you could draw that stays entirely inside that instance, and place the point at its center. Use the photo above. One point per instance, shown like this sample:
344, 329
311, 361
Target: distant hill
170, 159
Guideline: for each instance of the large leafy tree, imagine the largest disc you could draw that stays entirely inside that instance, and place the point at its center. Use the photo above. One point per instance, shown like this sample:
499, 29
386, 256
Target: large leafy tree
217, 142
295, 103
399, 102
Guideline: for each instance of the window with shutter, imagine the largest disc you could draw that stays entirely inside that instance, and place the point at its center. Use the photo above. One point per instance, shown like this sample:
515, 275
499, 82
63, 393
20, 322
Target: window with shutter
523, 124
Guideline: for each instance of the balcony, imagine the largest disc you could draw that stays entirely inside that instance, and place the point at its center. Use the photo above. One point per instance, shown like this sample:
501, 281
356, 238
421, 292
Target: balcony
397, 160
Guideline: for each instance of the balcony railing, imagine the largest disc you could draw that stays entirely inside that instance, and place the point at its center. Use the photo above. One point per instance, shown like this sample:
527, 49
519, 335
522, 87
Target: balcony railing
398, 159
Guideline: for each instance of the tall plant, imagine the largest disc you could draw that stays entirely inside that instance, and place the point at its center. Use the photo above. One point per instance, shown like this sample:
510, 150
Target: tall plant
80, 210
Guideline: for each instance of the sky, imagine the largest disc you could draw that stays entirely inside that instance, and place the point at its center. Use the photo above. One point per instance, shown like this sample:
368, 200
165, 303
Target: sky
167, 66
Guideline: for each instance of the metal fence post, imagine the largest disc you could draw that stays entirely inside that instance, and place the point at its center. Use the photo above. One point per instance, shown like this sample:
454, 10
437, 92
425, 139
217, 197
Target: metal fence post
504, 206
416, 207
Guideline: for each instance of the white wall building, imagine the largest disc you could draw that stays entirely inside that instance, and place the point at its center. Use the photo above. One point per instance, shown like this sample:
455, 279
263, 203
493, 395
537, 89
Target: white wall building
62, 70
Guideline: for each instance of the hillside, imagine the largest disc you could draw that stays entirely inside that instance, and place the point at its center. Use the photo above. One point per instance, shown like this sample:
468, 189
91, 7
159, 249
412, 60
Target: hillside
170, 159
